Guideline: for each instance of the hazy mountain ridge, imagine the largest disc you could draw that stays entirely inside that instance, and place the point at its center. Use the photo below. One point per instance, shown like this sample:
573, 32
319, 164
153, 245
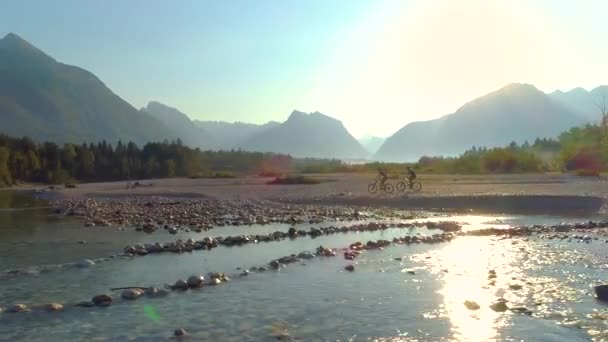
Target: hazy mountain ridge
189, 133
229, 135
47, 100
516, 112
308, 135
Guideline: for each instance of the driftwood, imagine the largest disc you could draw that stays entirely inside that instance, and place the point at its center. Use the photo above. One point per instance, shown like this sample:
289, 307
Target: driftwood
129, 288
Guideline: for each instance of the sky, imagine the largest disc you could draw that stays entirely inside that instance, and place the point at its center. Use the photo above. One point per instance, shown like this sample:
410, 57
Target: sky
374, 64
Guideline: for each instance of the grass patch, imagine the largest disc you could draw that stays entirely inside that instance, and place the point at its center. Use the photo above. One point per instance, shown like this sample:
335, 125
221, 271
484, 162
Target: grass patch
294, 179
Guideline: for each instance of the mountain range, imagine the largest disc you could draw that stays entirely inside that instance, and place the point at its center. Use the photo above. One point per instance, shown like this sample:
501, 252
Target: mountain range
516, 112
50, 101
47, 100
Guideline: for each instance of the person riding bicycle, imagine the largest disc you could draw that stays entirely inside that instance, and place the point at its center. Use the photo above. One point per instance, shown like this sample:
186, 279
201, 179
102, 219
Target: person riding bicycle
383, 177
411, 175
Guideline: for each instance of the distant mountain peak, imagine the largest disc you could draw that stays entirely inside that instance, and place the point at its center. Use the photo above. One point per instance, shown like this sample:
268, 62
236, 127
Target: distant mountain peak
19, 45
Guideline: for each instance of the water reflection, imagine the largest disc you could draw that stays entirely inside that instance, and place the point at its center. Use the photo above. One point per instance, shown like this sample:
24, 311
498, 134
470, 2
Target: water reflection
476, 269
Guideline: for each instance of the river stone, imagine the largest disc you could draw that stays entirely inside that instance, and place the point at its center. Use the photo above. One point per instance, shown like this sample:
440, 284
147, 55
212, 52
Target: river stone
601, 291
17, 308
499, 306
215, 275
102, 300
173, 230
51, 307
85, 263
131, 294
471, 305
180, 332
274, 264
349, 268
196, 281
245, 273
215, 281
180, 284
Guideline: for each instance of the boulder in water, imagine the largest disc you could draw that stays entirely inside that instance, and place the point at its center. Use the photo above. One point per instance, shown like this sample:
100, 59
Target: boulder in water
499, 306
180, 332
180, 285
18, 308
350, 268
52, 307
196, 281
102, 300
471, 305
601, 291
131, 294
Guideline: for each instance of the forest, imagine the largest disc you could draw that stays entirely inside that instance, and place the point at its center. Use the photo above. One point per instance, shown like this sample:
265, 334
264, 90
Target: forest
23, 160
582, 150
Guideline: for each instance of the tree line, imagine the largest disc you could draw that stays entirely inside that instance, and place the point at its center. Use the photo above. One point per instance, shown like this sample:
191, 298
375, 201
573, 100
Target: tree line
23, 160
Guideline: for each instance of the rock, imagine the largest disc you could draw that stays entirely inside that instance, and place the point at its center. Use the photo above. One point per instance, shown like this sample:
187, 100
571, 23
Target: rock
350, 268
17, 308
601, 291
180, 285
515, 287
151, 291
499, 306
196, 281
173, 230
51, 307
102, 300
274, 264
245, 273
85, 304
215, 281
180, 332
131, 294
85, 263
471, 305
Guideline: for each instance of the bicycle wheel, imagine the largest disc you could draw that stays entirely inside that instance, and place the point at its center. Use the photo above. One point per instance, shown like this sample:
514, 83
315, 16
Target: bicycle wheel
401, 186
372, 188
389, 188
416, 186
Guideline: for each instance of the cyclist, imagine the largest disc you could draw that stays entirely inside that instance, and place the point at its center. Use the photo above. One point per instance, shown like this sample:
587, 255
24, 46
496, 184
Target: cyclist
383, 177
411, 175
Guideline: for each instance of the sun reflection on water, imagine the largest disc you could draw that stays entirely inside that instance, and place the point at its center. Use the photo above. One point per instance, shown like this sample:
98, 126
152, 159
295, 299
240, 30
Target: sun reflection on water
467, 265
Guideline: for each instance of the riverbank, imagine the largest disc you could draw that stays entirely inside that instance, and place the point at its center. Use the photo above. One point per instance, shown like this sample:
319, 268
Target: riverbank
537, 194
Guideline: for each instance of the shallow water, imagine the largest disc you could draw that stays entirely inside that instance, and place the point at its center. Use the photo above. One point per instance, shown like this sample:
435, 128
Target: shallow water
314, 300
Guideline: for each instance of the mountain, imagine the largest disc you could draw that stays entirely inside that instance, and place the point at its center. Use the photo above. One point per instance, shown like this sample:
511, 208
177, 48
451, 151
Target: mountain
371, 143
229, 135
516, 112
47, 100
582, 101
189, 133
307, 135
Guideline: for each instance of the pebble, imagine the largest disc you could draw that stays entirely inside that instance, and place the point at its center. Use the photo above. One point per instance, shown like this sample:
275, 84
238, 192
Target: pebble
471, 305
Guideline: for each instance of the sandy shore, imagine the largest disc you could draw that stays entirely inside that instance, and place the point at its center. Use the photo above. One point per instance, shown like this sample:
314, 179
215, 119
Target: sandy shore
550, 193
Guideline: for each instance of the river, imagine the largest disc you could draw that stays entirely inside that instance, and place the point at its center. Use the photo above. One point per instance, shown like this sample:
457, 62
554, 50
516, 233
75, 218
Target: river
400, 293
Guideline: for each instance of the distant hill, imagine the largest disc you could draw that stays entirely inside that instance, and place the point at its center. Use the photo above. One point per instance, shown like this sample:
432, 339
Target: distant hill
47, 100
582, 101
229, 135
371, 143
307, 135
190, 134
517, 112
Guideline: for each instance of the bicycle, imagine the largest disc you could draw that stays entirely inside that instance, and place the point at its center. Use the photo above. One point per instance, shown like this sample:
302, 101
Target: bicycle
406, 184
373, 187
